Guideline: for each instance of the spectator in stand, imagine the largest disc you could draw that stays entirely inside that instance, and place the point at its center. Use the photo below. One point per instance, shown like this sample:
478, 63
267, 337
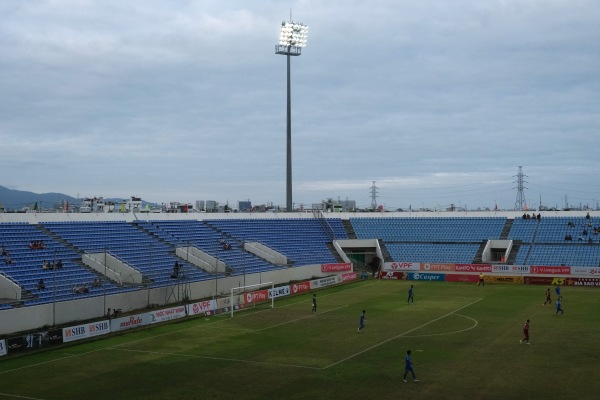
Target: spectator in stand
59, 264
41, 285
176, 269
7, 260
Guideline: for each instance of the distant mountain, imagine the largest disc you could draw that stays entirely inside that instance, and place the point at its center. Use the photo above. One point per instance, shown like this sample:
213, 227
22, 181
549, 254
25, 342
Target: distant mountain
17, 199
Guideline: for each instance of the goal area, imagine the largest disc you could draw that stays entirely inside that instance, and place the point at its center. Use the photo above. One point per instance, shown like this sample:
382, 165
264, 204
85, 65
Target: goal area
249, 296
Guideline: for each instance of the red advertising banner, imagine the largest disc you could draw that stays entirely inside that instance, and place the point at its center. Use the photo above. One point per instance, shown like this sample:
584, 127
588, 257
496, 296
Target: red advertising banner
340, 267
393, 275
473, 268
352, 276
545, 270
300, 287
256, 296
462, 277
435, 267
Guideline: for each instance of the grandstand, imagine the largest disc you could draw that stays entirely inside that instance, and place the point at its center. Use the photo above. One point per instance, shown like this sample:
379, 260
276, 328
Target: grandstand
294, 246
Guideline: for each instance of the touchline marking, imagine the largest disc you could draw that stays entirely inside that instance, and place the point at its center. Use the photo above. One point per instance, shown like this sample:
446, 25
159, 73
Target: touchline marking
50, 361
213, 358
210, 326
400, 335
19, 397
301, 318
173, 332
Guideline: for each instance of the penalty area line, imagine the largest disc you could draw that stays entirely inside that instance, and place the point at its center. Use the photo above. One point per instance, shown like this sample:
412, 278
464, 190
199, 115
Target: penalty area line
214, 358
301, 318
400, 335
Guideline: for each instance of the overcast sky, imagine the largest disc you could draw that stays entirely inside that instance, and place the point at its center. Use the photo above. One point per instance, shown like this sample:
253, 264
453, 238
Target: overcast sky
438, 102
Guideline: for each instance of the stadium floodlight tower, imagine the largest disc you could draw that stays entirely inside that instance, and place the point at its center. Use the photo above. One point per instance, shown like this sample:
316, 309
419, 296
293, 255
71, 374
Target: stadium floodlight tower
292, 39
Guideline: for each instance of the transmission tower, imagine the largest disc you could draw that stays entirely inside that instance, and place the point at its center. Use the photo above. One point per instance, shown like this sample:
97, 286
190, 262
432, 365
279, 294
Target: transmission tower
373, 196
520, 202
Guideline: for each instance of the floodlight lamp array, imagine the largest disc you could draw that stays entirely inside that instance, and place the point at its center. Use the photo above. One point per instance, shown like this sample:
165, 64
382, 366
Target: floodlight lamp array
293, 34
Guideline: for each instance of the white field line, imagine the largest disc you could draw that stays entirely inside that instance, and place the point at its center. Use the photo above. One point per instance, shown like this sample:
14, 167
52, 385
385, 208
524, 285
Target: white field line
14, 396
170, 333
453, 332
213, 358
50, 361
301, 318
398, 336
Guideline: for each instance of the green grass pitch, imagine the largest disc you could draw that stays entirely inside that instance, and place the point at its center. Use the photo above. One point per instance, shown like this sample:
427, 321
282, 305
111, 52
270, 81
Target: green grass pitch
464, 341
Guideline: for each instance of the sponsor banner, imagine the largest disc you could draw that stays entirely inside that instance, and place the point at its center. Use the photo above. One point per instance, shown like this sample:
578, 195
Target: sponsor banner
473, 268
539, 280
520, 269
462, 277
73, 333
583, 282
323, 282
225, 302
505, 279
279, 291
402, 266
300, 287
132, 321
3, 350
437, 267
167, 314
552, 281
421, 276
202, 307
36, 340
15, 344
352, 276
502, 269
585, 271
339, 267
546, 270
85, 331
55, 336
399, 275
254, 297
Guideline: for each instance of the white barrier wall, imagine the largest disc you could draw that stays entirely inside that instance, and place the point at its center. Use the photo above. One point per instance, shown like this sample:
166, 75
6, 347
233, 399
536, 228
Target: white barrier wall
9, 290
65, 312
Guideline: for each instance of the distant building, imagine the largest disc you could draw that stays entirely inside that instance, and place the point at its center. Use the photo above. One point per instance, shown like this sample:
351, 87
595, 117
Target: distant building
212, 206
331, 205
244, 205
